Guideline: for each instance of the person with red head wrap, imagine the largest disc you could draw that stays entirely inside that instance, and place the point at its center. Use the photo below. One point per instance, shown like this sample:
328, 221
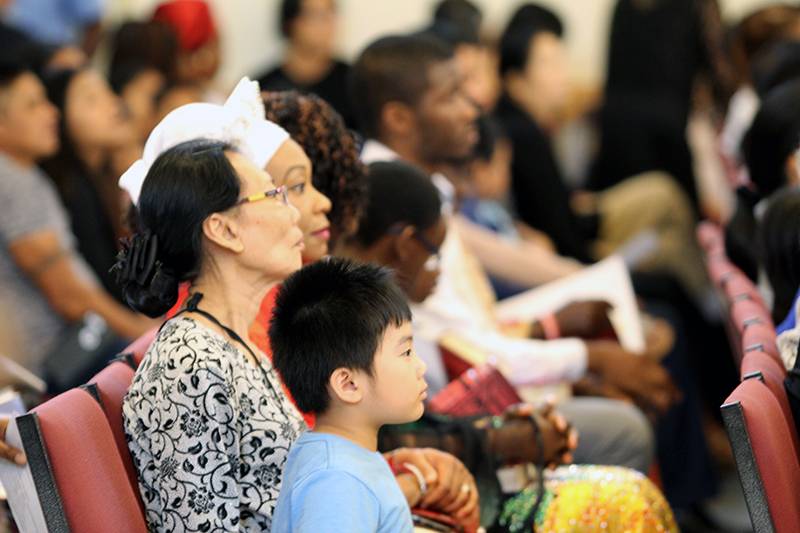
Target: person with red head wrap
196, 31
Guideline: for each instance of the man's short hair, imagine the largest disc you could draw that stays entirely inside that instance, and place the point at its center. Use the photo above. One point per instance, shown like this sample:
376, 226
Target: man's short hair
526, 22
328, 315
393, 68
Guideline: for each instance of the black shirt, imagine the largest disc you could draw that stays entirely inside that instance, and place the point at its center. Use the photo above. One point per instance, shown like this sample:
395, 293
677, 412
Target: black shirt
333, 88
541, 198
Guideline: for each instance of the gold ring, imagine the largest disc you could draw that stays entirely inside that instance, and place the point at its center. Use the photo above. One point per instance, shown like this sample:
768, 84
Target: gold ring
465, 488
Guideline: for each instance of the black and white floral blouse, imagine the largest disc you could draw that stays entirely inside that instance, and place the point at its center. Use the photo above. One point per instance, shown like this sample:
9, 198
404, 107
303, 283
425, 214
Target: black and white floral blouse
208, 431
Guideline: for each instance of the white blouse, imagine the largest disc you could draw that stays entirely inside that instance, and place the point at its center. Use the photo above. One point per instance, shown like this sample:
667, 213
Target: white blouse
208, 431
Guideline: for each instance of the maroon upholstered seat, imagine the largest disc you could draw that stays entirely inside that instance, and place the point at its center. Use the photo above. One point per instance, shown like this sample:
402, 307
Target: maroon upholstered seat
139, 347
710, 237
77, 470
763, 449
761, 337
109, 387
745, 313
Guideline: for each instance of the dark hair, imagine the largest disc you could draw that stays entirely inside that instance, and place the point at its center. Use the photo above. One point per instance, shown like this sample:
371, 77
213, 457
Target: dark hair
776, 65
67, 164
456, 22
328, 315
185, 185
399, 193
332, 149
772, 137
461, 12
10, 70
780, 242
290, 10
526, 22
393, 68
490, 132
138, 46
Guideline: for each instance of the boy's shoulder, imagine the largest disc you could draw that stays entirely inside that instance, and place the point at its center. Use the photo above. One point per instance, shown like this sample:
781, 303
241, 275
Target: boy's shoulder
316, 456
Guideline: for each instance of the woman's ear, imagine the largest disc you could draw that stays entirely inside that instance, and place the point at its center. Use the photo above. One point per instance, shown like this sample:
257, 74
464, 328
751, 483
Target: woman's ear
224, 231
347, 386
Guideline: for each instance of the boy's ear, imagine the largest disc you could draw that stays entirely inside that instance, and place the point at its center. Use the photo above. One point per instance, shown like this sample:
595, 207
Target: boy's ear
347, 385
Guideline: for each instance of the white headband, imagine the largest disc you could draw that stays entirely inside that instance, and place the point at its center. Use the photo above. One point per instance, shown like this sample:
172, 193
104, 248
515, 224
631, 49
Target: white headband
239, 122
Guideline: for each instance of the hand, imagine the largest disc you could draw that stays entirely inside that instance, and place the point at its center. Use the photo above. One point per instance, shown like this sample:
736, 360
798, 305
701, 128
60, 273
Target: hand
593, 385
517, 440
7, 452
585, 320
638, 376
451, 488
659, 337
408, 482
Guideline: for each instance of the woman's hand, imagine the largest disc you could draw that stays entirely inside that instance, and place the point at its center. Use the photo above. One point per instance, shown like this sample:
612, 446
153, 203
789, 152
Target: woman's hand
451, 488
7, 452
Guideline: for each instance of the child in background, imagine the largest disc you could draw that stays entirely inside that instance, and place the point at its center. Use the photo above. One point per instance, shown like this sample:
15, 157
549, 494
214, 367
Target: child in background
487, 201
341, 339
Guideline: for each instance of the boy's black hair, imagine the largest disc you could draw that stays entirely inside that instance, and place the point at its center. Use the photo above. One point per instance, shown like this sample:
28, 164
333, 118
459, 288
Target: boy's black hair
526, 22
10, 70
399, 193
331, 314
393, 68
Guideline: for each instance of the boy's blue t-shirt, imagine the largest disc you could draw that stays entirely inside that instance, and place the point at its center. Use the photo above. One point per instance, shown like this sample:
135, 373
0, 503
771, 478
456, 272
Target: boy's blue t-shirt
333, 484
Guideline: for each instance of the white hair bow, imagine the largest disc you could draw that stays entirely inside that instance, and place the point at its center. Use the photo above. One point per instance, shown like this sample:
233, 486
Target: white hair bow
240, 122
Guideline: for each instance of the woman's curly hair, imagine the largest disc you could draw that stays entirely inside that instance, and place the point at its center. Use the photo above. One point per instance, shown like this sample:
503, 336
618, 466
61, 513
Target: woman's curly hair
332, 149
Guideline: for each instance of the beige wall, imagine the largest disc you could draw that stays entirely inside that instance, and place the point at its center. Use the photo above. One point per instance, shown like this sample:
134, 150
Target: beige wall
252, 42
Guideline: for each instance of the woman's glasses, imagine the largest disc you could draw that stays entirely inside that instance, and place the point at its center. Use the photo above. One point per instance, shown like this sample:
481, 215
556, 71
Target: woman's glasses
435, 260
277, 192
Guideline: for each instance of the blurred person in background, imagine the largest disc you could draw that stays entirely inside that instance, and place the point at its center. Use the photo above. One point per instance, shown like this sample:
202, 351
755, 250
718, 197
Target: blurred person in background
91, 128
58, 23
199, 52
658, 50
43, 278
309, 63
458, 22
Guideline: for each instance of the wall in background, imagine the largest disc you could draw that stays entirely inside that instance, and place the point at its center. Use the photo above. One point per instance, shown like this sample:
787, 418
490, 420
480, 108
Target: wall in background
251, 40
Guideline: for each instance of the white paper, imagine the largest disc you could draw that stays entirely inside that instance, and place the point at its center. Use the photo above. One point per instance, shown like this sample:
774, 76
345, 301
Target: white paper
608, 280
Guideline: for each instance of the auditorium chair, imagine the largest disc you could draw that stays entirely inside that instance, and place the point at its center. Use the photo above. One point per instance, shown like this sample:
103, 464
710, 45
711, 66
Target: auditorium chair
763, 448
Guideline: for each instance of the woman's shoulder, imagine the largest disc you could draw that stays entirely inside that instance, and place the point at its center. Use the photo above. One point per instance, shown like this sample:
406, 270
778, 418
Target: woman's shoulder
184, 342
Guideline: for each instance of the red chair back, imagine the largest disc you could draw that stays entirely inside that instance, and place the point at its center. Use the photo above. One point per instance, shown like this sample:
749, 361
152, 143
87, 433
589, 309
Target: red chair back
739, 287
710, 236
109, 387
76, 466
762, 446
761, 337
759, 365
139, 347
745, 313
719, 269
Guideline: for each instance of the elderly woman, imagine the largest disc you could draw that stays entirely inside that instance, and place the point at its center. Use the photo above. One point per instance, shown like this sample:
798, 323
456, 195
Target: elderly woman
207, 422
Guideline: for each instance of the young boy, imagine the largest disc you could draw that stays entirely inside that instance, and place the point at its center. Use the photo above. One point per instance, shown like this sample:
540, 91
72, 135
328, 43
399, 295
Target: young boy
341, 340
